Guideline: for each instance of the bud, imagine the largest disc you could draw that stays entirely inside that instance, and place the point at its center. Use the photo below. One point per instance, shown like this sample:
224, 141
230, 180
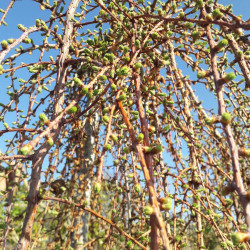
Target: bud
6, 125
25, 149
151, 128
137, 66
113, 87
228, 77
130, 102
43, 118
181, 14
199, 3
105, 111
239, 32
126, 59
97, 187
220, 45
56, 28
138, 188
157, 149
39, 89
137, 43
129, 244
209, 17
167, 206
240, 53
130, 175
78, 81
105, 118
226, 118
127, 150
210, 120
72, 110
38, 23
102, 12
195, 34
217, 14
21, 27
84, 91
27, 40
124, 71
42, 7
239, 237
147, 149
122, 97
165, 200
244, 152
107, 146
188, 25
4, 44
140, 137
148, 210
95, 68
116, 162
114, 138
202, 74
44, 27
103, 78
50, 141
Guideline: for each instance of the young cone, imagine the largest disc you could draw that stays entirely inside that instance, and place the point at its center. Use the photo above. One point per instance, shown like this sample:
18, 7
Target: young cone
148, 210
239, 237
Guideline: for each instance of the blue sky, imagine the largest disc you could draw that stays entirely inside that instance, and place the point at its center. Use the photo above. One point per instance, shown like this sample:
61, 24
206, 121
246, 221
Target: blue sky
27, 11
240, 7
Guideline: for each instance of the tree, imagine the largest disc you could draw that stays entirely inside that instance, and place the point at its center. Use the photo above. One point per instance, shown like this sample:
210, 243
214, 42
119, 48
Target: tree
106, 144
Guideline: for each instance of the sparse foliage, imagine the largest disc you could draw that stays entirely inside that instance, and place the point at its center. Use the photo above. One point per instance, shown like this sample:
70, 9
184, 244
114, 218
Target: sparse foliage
125, 124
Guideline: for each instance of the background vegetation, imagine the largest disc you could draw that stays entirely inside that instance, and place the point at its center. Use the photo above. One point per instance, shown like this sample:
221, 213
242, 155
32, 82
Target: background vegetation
125, 124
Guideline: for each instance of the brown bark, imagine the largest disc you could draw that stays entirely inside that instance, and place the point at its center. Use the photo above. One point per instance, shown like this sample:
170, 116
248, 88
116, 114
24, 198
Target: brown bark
40, 154
228, 131
150, 184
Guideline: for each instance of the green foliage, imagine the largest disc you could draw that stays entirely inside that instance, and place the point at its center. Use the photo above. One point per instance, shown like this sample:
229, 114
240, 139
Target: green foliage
72, 110
144, 141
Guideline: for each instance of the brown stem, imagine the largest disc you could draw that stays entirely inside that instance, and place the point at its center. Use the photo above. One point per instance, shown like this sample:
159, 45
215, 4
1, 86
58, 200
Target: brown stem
41, 153
100, 166
242, 62
148, 157
149, 181
228, 131
202, 22
17, 41
6, 11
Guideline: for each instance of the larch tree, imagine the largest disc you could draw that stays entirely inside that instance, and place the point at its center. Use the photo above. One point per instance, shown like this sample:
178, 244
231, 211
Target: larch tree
125, 124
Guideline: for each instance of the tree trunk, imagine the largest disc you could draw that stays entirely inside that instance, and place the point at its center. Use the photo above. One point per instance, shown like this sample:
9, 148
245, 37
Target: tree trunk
40, 154
80, 234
